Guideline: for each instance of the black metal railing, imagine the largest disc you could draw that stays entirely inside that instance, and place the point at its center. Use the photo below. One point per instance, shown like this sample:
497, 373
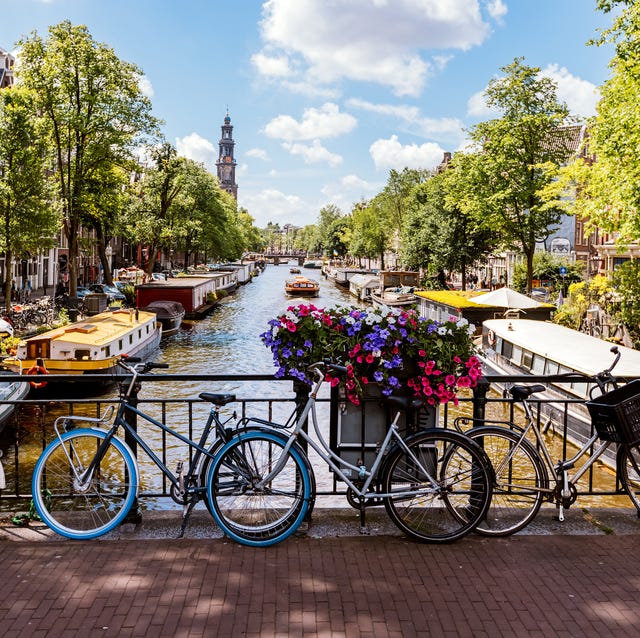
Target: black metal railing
30, 429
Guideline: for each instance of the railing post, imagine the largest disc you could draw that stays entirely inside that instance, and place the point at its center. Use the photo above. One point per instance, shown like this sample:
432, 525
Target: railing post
135, 513
302, 396
480, 401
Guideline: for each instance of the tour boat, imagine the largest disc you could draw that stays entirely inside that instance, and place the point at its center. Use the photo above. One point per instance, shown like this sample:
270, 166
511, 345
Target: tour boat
90, 346
170, 314
302, 287
395, 288
542, 348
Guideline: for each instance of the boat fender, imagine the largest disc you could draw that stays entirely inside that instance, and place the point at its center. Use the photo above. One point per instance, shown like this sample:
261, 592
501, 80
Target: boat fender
491, 335
38, 369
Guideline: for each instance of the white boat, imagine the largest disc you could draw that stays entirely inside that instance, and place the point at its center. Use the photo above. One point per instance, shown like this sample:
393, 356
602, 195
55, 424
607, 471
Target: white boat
362, 285
524, 346
396, 288
90, 346
10, 391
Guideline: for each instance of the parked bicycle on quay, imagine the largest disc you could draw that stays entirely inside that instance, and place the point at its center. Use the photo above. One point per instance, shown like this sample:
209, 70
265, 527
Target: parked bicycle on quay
525, 475
255, 477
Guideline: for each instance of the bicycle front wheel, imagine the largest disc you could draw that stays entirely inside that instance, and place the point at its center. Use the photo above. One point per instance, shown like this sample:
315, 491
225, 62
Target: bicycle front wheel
519, 480
80, 507
629, 471
248, 509
438, 489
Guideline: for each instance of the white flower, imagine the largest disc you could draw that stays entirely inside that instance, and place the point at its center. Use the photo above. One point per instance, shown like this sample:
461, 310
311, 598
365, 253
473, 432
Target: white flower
462, 322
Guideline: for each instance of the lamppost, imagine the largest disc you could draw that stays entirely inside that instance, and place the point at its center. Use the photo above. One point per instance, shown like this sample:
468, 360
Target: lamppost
108, 253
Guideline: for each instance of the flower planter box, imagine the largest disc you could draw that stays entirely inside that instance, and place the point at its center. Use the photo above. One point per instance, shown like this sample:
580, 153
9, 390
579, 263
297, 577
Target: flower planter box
356, 431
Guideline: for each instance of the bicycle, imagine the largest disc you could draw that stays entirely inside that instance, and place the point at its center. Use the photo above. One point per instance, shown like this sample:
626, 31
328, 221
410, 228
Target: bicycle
524, 473
435, 484
86, 480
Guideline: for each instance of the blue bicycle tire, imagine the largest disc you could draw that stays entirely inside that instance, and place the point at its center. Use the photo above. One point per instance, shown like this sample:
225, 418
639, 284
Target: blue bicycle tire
265, 516
84, 512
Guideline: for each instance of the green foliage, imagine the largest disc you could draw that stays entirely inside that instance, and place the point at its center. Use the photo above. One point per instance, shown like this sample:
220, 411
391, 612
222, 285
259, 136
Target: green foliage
546, 267
518, 154
581, 296
626, 280
95, 116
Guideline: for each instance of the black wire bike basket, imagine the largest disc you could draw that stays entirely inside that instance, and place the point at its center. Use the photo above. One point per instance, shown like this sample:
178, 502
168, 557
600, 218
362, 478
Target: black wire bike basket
616, 414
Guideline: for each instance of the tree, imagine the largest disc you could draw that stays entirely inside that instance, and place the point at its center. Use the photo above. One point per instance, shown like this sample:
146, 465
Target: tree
328, 215
518, 154
370, 230
28, 222
437, 235
607, 191
153, 208
94, 110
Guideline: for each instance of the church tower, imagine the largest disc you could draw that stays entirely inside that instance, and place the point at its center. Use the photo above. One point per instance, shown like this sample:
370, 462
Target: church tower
226, 164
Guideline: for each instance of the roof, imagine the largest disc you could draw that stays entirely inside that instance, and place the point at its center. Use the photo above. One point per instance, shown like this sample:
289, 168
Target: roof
570, 348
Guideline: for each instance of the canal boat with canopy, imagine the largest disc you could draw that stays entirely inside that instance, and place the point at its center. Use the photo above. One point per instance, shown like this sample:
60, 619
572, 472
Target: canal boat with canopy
301, 286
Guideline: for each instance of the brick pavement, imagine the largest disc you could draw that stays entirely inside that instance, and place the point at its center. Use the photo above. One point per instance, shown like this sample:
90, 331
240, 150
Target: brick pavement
382, 585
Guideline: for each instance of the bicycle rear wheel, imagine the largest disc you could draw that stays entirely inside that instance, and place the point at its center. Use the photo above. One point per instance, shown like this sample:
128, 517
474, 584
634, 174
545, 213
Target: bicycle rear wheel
85, 509
248, 511
629, 472
439, 488
518, 480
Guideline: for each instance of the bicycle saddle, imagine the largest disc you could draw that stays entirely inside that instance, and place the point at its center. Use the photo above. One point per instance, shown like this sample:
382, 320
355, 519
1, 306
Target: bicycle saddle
217, 399
519, 392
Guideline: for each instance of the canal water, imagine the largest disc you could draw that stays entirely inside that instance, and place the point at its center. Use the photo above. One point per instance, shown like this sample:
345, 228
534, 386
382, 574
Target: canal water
227, 342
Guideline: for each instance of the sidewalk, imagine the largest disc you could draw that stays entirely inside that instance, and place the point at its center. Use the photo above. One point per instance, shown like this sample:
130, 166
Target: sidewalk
577, 578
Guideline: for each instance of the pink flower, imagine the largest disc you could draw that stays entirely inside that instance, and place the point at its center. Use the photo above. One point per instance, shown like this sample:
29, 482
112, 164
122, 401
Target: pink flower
291, 327
450, 379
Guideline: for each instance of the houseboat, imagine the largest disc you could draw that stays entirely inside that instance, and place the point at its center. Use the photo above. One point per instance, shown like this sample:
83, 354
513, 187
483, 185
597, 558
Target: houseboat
301, 286
395, 288
170, 315
529, 347
362, 285
90, 346
198, 294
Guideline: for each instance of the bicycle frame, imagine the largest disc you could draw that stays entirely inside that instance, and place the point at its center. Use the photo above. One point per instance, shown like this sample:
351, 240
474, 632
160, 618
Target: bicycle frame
559, 470
120, 421
336, 463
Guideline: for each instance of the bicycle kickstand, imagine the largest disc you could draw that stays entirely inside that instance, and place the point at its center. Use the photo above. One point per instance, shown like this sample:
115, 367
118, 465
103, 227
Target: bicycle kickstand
364, 530
187, 508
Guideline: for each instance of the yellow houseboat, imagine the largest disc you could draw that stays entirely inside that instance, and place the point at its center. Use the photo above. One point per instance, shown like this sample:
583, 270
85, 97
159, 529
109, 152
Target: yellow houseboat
90, 346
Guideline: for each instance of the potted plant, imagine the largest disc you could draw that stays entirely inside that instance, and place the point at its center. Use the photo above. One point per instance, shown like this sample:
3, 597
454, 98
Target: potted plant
394, 348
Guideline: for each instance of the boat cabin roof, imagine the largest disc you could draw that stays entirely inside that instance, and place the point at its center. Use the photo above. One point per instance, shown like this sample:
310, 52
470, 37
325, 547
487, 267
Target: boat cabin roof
569, 348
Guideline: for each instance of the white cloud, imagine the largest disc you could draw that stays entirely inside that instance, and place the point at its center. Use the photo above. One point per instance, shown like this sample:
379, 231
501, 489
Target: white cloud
580, 95
197, 148
324, 122
350, 190
444, 129
271, 205
271, 66
145, 86
477, 107
258, 153
388, 154
314, 153
497, 9
372, 41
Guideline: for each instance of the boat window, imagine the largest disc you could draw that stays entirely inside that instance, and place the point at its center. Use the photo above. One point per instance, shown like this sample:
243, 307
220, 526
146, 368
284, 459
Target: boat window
107, 351
83, 354
516, 355
551, 367
130, 339
527, 359
538, 364
120, 344
564, 370
505, 348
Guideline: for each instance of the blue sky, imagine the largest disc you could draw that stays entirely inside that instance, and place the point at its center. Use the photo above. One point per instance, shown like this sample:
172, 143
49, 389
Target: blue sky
327, 96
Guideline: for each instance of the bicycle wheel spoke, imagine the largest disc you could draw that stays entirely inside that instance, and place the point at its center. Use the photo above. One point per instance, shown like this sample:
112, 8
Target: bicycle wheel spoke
246, 507
437, 490
79, 507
